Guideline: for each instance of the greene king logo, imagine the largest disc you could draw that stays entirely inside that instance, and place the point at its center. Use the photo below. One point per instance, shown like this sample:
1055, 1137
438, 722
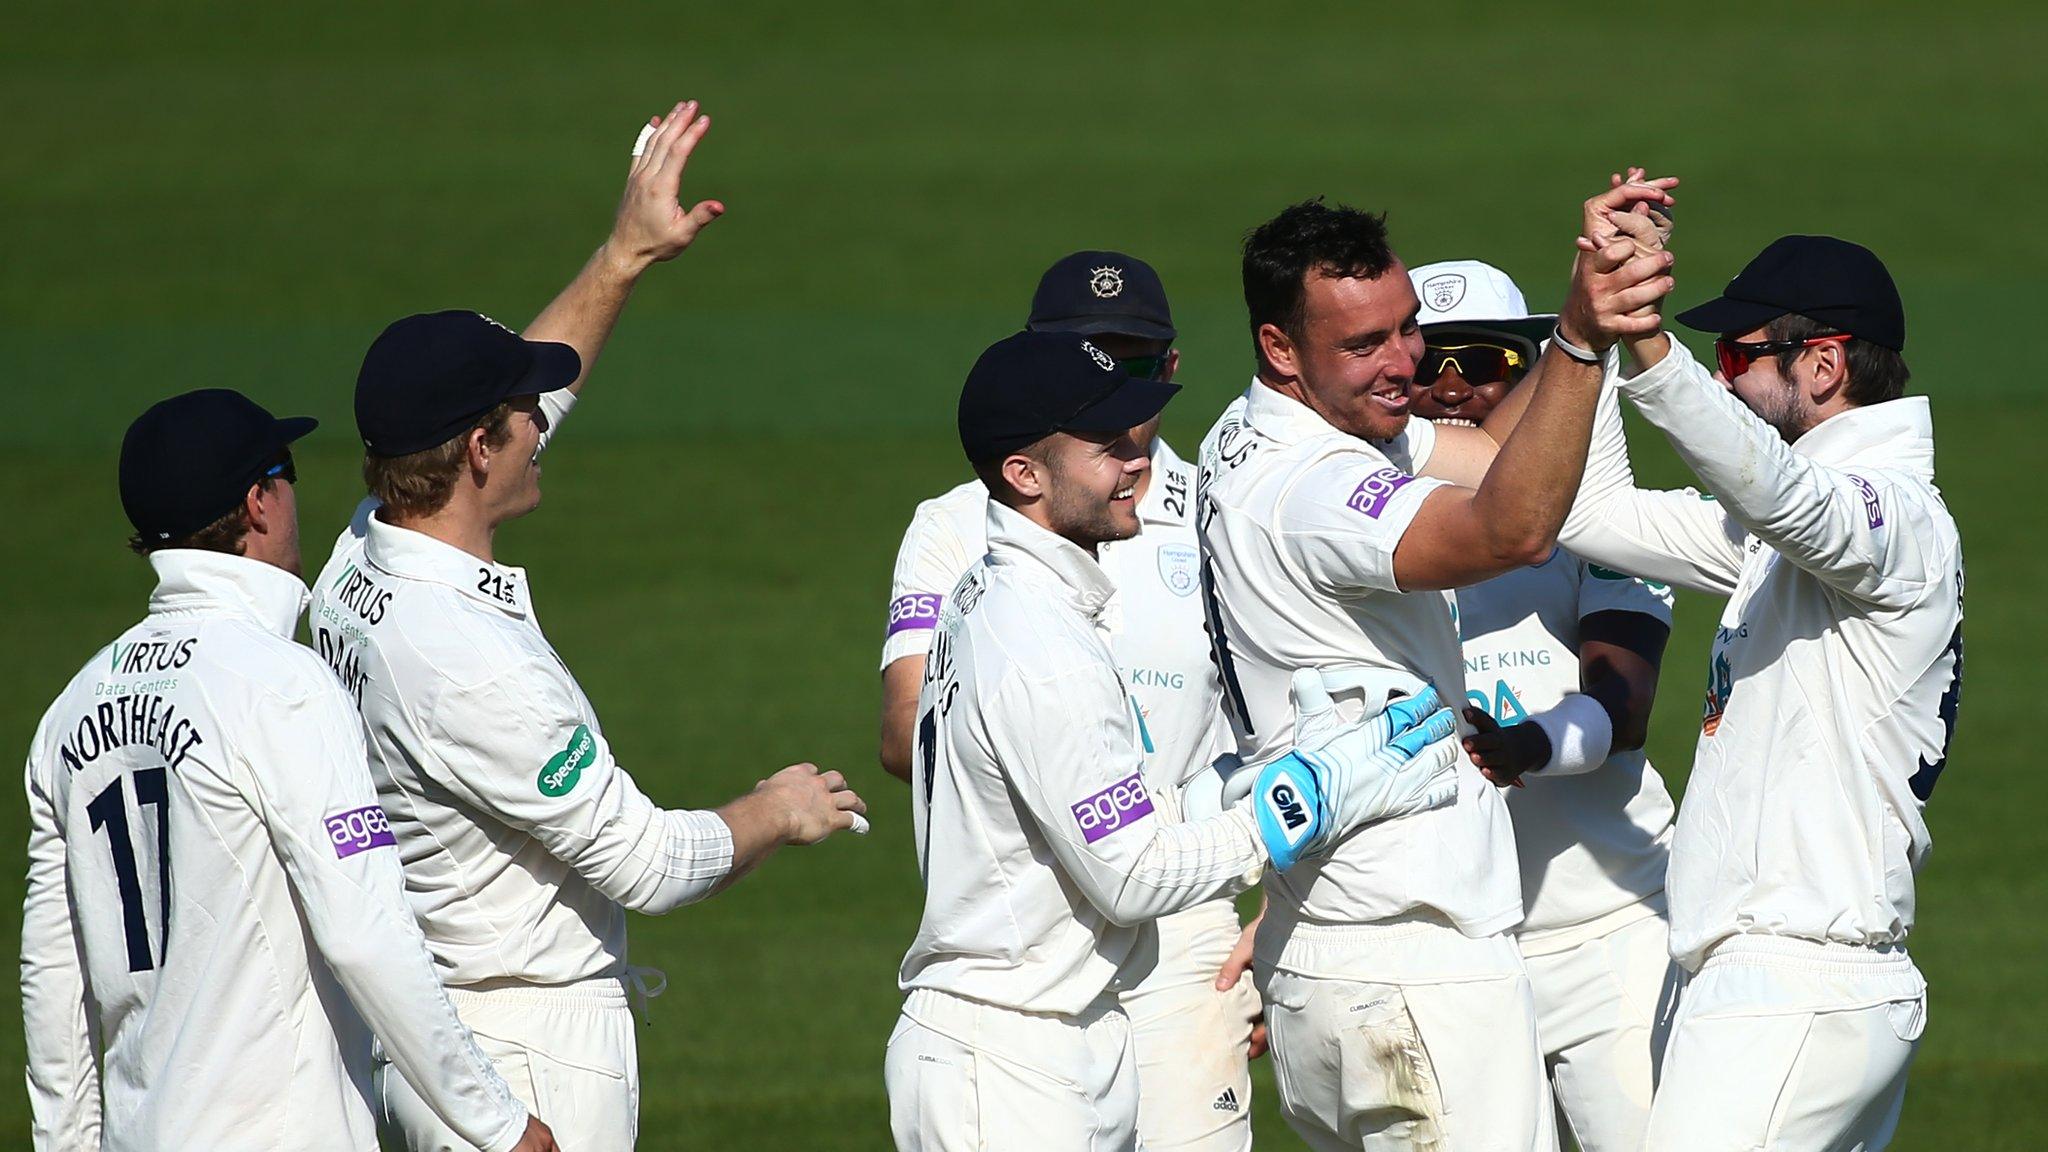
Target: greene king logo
559, 775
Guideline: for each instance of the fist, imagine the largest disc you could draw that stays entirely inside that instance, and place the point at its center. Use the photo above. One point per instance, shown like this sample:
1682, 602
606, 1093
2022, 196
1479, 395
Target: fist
814, 804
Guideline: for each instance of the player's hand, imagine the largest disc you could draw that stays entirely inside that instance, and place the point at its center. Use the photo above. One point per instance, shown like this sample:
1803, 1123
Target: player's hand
652, 225
1235, 967
1378, 767
537, 1138
1504, 754
813, 804
1617, 282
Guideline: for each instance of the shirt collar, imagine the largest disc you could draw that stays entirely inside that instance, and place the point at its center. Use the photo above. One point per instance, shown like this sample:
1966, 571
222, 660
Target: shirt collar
1903, 429
418, 556
1170, 474
1014, 538
1282, 418
190, 579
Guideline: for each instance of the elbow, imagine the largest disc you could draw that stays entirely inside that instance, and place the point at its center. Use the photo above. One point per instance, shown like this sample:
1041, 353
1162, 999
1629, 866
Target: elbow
1631, 730
895, 760
1523, 548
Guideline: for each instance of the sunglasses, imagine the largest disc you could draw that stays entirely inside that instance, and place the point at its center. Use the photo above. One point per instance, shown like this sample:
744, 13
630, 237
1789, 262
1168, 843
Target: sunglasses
1477, 363
1736, 356
1145, 367
282, 470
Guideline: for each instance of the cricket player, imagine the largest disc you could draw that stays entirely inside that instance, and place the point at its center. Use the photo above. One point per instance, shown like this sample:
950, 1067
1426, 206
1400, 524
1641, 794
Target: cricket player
215, 921
524, 840
1331, 536
1832, 694
1192, 1039
1041, 846
1561, 663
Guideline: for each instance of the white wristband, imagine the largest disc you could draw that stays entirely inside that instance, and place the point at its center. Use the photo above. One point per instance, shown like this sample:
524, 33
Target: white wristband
1580, 735
1571, 350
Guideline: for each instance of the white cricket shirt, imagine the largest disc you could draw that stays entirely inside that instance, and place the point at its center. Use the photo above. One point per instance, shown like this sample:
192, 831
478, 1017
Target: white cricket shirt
1157, 633
1298, 525
523, 839
1836, 670
1039, 842
213, 897
1591, 843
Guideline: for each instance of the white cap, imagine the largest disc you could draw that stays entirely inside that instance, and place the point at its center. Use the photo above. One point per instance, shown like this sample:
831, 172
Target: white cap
1466, 292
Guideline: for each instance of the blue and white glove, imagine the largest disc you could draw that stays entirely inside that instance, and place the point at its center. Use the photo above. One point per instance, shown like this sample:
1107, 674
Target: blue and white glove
1340, 776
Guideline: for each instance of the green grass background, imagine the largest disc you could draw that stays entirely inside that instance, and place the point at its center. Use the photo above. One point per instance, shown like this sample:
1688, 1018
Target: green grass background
200, 194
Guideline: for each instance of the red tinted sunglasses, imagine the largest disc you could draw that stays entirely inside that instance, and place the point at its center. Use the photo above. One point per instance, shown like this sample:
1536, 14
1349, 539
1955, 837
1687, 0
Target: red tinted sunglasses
1736, 356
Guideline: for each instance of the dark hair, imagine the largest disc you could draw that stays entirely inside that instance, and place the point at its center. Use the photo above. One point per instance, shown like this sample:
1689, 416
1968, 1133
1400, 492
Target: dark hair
223, 535
1309, 237
1876, 373
420, 483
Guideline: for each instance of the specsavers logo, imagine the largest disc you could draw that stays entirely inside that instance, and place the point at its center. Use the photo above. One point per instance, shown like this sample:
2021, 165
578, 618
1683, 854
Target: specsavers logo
559, 775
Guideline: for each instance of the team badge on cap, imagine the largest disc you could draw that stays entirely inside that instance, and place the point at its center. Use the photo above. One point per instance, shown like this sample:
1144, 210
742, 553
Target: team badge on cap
1443, 292
1106, 283
1102, 359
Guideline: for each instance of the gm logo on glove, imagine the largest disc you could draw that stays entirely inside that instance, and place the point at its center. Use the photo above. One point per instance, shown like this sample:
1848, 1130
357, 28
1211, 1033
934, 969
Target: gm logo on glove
1287, 810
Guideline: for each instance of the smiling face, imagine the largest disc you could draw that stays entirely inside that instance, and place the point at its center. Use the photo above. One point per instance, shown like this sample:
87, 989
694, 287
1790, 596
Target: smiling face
1450, 398
1356, 352
1778, 398
1080, 485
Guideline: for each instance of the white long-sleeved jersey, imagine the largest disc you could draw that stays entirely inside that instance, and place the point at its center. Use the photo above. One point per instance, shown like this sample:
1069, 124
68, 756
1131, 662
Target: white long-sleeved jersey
212, 901
1298, 525
1591, 843
1038, 840
1837, 667
1156, 630
523, 840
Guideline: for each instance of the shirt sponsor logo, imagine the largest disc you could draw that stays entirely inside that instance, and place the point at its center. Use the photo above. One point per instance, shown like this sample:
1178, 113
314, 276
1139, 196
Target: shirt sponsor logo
914, 610
1124, 802
1373, 492
358, 830
1177, 567
1872, 510
559, 775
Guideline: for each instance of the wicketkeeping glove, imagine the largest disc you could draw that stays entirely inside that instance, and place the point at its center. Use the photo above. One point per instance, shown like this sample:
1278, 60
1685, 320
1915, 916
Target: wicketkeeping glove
1341, 775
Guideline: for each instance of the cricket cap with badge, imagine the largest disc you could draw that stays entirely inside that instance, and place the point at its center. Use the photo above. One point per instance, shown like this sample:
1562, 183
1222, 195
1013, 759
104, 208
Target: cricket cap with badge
429, 378
1472, 301
1102, 293
190, 460
1028, 386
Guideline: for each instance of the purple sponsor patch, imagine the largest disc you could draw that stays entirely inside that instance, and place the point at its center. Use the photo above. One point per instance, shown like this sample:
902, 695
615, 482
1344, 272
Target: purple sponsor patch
1373, 492
1872, 510
1124, 802
914, 610
356, 830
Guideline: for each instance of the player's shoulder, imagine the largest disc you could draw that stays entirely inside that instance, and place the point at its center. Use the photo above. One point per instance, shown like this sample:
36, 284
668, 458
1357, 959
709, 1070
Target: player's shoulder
960, 509
1019, 627
232, 650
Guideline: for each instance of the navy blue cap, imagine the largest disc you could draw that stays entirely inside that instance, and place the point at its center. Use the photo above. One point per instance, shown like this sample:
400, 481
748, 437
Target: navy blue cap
190, 460
1829, 281
428, 378
1099, 293
1028, 386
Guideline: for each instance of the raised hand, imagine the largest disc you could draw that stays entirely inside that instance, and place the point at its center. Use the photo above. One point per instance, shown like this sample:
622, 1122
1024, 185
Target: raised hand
652, 225
1621, 274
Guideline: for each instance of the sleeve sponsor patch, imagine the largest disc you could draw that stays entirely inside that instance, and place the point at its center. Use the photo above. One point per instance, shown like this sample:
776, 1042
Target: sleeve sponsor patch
1373, 492
914, 610
1122, 803
559, 775
1872, 510
359, 829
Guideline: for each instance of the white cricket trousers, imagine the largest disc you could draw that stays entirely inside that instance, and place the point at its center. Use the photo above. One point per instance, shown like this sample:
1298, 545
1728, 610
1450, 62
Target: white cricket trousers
1194, 1078
568, 1051
1790, 1045
964, 1076
1605, 992
1403, 1035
